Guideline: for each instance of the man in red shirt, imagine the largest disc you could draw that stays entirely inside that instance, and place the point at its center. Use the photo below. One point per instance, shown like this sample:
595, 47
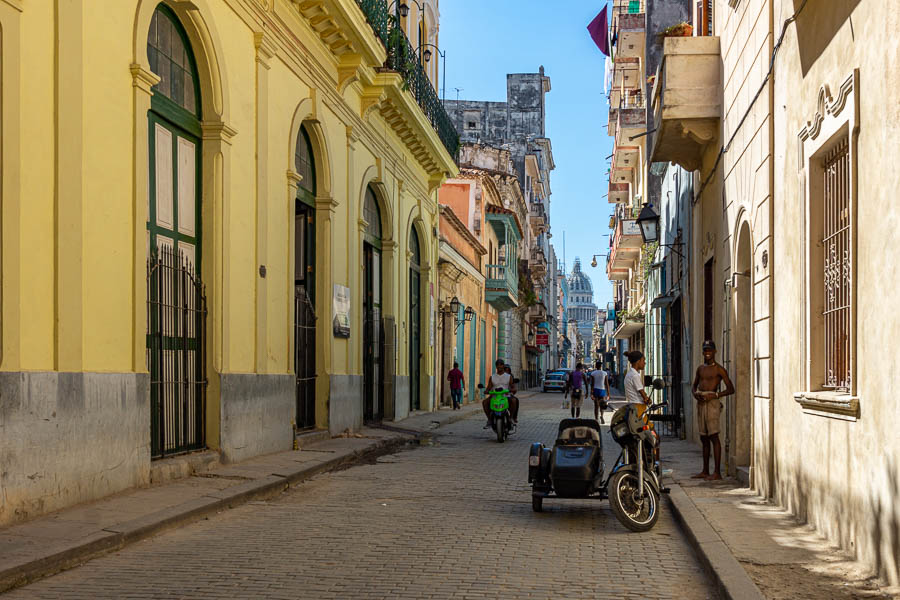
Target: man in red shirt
457, 383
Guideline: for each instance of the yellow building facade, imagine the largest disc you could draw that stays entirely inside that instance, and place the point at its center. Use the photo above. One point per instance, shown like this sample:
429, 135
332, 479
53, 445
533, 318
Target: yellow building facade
219, 229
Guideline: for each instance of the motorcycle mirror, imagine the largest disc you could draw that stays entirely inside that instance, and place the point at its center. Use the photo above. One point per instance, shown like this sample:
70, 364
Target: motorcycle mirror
515, 380
658, 384
648, 380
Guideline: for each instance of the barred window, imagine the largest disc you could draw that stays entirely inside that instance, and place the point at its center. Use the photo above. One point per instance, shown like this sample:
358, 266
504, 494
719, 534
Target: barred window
836, 267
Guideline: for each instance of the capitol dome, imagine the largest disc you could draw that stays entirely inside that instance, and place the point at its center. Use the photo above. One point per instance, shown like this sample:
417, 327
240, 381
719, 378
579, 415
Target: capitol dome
581, 308
579, 282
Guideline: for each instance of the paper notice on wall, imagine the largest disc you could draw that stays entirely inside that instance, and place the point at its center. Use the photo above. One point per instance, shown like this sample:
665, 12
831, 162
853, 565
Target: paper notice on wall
341, 323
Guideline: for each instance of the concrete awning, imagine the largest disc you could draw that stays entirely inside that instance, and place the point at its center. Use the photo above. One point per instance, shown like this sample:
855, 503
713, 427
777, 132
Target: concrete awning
628, 329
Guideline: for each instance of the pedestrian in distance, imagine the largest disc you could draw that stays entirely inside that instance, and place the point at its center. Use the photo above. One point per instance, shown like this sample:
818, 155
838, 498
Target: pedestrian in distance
457, 383
576, 385
600, 387
710, 376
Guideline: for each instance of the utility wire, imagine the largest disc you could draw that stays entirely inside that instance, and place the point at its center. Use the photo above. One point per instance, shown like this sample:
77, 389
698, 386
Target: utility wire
762, 86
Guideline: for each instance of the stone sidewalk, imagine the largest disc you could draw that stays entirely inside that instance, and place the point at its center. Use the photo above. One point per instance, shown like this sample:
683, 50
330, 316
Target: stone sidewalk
734, 530
67, 538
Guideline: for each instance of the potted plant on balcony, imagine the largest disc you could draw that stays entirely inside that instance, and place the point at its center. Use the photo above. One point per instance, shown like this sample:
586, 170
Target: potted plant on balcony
682, 29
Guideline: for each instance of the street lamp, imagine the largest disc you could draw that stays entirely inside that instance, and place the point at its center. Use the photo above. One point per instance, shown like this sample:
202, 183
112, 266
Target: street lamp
443, 54
648, 221
594, 259
469, 313
453, 309
454, 306
403, 8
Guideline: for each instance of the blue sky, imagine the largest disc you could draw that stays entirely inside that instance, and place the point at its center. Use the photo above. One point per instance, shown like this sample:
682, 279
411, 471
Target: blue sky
486, 39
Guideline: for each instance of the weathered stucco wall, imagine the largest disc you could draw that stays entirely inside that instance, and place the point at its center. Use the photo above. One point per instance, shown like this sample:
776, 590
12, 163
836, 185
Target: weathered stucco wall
67, 438
842, 476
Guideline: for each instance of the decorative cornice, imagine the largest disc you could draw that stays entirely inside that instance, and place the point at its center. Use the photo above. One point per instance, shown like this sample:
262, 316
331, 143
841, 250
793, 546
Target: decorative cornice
293, 177
141, 78
217, 130
369, 100
348, 71
826, 105
265, 48
363, 225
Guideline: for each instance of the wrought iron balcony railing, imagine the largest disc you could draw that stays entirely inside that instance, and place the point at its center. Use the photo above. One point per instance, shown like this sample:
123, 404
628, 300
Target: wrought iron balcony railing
402, 58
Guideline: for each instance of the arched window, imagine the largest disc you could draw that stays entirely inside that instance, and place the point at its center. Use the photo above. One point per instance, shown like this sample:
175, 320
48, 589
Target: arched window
168, 51
305, 165
416, 259
373, 217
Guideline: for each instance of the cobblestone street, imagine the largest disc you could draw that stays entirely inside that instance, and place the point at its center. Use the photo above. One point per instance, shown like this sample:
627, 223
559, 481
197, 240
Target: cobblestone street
450, 519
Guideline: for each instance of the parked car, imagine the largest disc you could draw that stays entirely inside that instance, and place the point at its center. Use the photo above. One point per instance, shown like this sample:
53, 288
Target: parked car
555, 381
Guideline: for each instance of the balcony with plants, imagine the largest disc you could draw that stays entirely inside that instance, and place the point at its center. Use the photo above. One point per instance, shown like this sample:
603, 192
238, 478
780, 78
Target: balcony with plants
372, 49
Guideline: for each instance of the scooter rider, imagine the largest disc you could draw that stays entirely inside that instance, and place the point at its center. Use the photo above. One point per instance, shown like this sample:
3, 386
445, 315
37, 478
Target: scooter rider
501, 379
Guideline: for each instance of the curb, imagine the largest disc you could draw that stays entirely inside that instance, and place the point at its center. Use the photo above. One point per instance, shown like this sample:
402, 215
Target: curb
729, 576
123, 534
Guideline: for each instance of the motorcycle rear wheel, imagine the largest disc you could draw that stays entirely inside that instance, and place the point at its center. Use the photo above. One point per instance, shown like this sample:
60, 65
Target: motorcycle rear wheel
637, 514
537, 503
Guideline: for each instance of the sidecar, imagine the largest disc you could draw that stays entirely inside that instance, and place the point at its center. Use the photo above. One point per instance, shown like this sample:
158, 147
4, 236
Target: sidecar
573, 468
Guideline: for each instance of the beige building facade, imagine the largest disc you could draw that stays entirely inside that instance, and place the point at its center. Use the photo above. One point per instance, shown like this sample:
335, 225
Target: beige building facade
784, 110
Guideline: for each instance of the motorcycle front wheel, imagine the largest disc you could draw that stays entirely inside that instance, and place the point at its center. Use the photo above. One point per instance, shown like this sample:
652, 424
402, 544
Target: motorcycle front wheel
500, 426
637, 514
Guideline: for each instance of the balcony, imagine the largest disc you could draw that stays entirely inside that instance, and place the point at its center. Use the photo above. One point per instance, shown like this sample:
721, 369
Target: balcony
501, 287
401, 90
631, 120
619, 192
625, 160
687, 104
538, 264
537, 218
628, 20
624, 250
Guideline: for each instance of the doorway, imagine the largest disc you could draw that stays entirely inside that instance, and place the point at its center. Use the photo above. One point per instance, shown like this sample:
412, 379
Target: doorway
373, 324
415, 309
304, 284
743, 361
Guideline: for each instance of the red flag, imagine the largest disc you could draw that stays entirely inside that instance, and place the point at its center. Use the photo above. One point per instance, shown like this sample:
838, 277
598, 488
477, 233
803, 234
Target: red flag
599, 31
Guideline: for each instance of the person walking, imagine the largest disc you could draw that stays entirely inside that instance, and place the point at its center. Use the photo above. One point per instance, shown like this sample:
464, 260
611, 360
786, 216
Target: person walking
600, 387
457, 383
710, 375
576, 385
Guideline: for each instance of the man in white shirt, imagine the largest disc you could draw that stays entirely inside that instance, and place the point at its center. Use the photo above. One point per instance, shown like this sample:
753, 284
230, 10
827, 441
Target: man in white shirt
501, 379
634, 382
600, 390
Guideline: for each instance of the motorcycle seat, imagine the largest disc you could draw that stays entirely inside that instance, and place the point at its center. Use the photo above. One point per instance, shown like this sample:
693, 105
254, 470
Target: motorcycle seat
579, 435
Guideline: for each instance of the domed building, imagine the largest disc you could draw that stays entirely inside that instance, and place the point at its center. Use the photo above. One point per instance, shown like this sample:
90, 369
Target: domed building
581, 308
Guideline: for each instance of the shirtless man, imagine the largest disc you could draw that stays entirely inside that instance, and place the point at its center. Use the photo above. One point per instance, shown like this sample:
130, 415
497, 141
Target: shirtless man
706, 390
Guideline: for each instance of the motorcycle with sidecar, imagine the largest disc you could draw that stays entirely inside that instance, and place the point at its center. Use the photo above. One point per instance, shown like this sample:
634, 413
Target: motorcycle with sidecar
574, 467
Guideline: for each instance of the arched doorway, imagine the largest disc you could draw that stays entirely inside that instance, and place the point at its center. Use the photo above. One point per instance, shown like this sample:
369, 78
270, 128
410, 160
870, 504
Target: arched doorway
373, 324
415, 310
304, 282
741, 421
176, 336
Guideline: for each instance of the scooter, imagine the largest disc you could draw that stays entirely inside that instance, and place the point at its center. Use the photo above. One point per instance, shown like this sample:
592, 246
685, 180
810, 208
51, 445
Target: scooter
501, 420
574, 467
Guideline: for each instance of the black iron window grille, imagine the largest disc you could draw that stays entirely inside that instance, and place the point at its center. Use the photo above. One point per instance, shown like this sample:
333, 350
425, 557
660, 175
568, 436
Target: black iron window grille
176, 354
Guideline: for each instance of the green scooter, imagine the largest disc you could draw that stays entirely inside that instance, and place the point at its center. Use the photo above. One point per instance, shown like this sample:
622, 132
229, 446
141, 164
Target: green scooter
501, 420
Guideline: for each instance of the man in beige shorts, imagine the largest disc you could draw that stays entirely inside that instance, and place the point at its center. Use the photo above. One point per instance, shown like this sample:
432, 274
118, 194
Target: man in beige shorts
710, 375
